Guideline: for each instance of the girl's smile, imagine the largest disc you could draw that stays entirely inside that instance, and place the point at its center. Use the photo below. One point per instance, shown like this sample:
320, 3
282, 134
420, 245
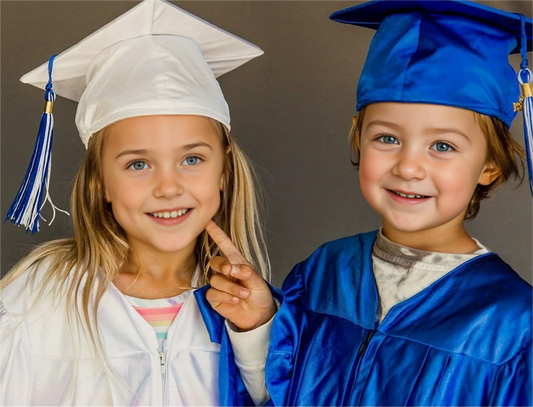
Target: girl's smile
170, 217
162, 177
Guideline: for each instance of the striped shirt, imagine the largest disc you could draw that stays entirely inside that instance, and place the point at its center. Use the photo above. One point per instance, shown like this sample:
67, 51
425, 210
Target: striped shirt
159, 313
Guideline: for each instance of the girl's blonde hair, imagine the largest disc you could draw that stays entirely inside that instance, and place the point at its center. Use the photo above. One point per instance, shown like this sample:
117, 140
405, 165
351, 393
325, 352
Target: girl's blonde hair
83, 267
503, 152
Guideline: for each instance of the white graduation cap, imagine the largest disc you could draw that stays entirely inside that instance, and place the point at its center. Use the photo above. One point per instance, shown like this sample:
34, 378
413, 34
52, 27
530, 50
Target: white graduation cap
155, 59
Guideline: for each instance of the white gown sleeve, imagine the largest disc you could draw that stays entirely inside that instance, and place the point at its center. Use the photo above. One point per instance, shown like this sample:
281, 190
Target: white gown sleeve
15, 366
250, 350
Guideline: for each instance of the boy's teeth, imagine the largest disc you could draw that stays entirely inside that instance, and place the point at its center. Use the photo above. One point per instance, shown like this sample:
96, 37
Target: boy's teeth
169, 215
408, 196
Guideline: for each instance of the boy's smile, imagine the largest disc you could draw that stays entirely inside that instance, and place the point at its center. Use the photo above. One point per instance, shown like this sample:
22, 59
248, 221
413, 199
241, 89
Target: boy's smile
420, 165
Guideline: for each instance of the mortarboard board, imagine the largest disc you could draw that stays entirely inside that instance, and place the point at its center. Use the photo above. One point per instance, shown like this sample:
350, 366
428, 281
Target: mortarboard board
452, 53
154, 59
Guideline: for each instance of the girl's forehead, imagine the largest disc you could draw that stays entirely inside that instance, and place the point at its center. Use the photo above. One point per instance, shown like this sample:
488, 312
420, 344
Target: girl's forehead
162, 132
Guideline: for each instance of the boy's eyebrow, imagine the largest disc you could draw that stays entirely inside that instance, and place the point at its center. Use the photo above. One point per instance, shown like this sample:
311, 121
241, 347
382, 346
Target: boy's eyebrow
429, 130
445, 130
384, 123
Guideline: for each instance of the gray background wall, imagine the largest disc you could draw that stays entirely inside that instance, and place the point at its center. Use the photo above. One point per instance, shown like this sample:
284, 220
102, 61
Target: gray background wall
291, 111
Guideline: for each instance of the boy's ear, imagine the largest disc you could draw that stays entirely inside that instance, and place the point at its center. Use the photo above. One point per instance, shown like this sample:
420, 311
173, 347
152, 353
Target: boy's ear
490, 172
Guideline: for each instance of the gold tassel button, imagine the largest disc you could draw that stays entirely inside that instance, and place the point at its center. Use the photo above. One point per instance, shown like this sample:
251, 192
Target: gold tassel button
48, 107
527, 90
518, 106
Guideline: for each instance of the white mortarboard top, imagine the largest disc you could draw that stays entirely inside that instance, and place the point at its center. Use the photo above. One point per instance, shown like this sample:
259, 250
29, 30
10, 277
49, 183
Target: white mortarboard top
155, 59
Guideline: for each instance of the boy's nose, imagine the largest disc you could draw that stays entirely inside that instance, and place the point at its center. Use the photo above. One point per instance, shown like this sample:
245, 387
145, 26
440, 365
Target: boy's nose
409, 167
168, 185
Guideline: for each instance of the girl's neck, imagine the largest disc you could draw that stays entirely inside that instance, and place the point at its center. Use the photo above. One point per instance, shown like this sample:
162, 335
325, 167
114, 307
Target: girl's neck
148, 274
449, 239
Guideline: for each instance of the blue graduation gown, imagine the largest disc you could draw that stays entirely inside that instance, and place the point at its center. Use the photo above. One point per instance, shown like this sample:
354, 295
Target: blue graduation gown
464, 340
232, 391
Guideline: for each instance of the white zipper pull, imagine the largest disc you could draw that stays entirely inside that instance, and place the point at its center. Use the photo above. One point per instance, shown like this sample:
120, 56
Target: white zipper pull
163, 362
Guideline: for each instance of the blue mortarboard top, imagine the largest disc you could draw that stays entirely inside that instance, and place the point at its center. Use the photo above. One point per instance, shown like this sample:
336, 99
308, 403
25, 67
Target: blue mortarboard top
452, 53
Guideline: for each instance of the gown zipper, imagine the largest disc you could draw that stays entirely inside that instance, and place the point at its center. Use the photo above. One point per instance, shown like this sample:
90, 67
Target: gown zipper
355, 372
364, 345
163, 367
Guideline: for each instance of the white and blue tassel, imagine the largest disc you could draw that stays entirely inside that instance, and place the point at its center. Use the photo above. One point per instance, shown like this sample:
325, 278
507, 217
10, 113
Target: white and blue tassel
33, 193
525, 77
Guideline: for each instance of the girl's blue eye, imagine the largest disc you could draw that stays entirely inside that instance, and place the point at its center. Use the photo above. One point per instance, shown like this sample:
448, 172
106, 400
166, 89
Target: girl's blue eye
192, 160
138, 165
442, 147
388, 139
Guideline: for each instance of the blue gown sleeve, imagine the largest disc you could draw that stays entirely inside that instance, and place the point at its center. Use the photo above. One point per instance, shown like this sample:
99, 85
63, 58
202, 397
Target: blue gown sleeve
513, 384
285, 337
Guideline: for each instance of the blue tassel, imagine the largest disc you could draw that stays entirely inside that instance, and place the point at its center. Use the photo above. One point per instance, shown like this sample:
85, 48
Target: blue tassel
525, 77
26, 208
527, 106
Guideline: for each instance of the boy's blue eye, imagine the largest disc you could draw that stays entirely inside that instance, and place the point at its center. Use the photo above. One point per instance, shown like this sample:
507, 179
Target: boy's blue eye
442, 147
138, 165
192, 160
388, 139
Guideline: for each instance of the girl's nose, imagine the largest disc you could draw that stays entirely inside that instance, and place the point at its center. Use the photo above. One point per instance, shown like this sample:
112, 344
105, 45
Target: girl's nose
409, 166
168, 185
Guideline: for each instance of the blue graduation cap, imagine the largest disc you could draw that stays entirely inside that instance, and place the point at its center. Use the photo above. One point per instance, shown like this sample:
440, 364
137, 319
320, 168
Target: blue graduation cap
452, 53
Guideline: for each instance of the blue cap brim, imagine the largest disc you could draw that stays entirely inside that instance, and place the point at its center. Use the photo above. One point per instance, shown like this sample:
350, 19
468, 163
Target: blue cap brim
371, 14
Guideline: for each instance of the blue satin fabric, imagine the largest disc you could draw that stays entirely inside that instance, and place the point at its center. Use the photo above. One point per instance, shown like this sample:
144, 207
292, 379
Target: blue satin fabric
465, 340
415, 60
232, 391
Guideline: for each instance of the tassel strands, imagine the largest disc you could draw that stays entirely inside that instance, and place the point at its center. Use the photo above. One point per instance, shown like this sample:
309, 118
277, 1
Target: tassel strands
26, 208
525, 77
527, 106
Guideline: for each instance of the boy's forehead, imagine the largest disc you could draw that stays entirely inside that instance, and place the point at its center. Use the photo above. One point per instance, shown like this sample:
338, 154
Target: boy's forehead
418, 115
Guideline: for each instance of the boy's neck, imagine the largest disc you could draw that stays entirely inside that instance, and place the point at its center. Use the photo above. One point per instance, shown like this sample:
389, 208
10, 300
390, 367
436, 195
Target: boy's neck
450, 239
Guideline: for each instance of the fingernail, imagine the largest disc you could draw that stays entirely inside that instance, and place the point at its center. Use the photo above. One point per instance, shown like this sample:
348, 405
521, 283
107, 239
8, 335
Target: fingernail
244, 293
235, 299
234, 270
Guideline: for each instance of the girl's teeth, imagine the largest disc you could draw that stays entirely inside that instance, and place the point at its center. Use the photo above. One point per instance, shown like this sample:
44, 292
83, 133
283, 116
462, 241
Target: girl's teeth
169, 215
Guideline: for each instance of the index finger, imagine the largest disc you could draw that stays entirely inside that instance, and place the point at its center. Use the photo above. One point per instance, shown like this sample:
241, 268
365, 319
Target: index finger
225, 244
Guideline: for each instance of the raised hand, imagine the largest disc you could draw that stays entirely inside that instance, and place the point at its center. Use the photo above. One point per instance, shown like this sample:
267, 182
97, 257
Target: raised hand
237, 292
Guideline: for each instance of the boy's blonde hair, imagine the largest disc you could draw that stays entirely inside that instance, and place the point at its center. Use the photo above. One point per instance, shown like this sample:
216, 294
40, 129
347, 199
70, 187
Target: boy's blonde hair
99, 247
503, 152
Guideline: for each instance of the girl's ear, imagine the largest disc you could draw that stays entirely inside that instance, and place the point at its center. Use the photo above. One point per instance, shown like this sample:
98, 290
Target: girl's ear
228, 150
490, 172
106, 196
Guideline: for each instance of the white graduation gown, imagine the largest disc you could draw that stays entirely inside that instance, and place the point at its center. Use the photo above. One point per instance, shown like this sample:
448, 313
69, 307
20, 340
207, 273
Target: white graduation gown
43, 361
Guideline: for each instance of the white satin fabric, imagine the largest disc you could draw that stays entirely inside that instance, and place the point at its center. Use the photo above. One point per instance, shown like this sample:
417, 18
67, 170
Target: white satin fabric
43, 361
155, 59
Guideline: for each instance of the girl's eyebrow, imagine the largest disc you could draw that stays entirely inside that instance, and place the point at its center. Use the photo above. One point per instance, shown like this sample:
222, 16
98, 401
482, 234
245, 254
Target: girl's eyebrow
133, 152
188, 147
185, 147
